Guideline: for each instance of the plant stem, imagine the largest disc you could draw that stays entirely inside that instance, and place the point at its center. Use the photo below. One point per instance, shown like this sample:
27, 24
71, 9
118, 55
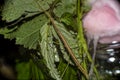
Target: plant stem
65, 43
81, 39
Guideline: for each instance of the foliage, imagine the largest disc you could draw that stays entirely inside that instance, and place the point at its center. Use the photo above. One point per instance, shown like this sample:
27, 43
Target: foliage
27, 23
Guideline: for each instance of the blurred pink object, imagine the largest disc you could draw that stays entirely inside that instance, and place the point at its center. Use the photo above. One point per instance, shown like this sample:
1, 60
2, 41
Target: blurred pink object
102, 23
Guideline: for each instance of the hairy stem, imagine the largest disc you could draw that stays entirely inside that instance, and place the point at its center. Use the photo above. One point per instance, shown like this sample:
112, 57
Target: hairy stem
65, 43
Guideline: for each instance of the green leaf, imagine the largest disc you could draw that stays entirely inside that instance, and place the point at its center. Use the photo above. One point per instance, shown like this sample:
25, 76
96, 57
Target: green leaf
48, 50
8, 33
29, 33
68, 72
36, 73
23, 70
28, 71
67, 19
71, 40
13, 9
65, 6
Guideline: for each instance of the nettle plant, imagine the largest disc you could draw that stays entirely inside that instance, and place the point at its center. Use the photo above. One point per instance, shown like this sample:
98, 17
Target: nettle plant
52, 36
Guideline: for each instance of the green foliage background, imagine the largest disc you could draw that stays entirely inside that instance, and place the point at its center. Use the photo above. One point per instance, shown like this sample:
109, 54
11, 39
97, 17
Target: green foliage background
48, 58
